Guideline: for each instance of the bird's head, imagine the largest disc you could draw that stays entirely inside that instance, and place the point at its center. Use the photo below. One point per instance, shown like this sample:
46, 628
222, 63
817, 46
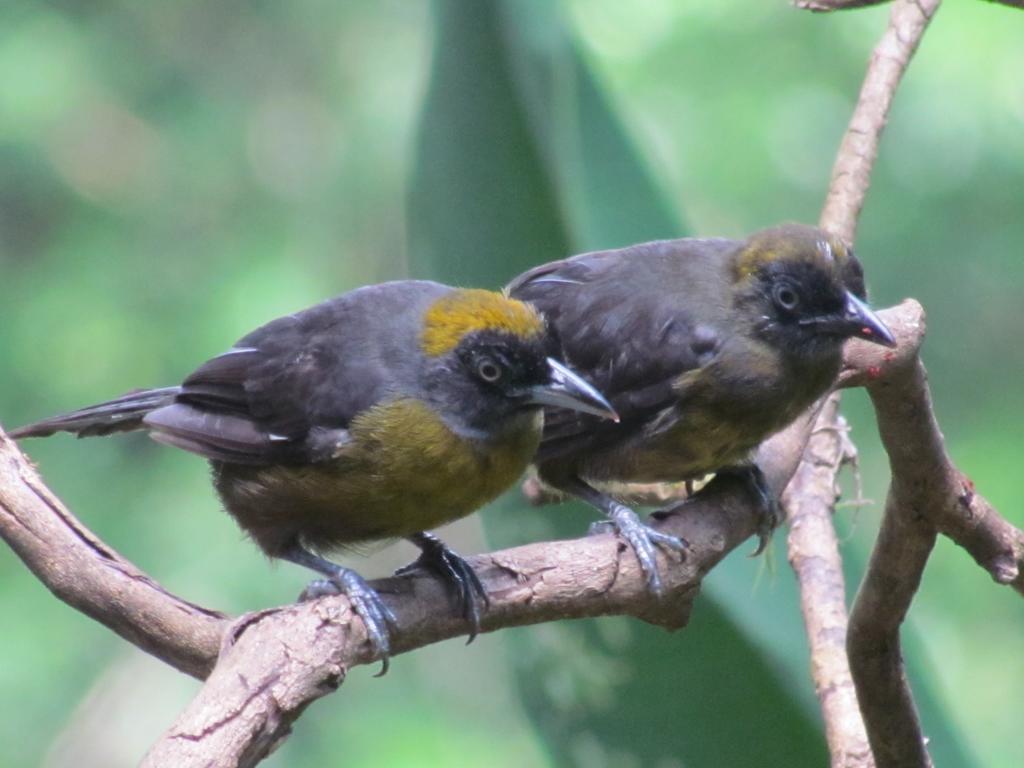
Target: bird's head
803, 290
487, 361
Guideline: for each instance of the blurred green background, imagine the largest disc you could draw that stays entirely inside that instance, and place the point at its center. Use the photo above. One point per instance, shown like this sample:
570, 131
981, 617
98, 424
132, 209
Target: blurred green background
172, 175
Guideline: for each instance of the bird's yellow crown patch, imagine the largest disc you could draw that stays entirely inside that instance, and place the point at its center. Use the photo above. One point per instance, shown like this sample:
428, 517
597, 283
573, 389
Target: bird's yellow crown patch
465, 311
790, 242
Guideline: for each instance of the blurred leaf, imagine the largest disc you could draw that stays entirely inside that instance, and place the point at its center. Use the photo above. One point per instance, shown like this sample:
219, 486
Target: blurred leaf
223, 222
521, 160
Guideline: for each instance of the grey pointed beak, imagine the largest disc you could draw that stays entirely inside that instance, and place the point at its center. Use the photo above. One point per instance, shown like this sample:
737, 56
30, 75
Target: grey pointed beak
863, 323
567, 390
856, 320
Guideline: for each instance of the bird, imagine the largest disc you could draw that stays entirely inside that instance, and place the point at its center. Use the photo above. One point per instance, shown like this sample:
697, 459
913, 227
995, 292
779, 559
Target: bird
704, 347
376, 415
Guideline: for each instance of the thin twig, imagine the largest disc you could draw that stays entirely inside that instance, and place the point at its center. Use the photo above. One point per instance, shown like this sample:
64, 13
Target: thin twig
851, 174
283, 660
928, 495
89, 575
539, 582
826, 6
1011, 3
813, 545
876, 669
813, 551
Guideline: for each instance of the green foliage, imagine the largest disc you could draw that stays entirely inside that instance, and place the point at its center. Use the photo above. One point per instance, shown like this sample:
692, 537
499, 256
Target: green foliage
173, 174
589, 698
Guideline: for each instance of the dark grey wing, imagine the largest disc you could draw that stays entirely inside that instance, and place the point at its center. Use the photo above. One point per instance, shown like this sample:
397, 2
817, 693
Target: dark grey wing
218, 435
287, 391
631, 321
123, 414
257, 405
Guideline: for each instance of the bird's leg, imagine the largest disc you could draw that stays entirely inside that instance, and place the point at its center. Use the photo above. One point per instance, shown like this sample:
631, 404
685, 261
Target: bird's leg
770, 508
640, 536
365, 601
457, 575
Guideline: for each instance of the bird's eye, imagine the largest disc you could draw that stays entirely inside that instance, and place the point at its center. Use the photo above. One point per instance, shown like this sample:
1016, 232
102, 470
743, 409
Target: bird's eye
785, 297
488, 370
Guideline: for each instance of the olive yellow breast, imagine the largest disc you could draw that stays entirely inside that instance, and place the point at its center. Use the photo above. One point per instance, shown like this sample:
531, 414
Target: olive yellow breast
403, 471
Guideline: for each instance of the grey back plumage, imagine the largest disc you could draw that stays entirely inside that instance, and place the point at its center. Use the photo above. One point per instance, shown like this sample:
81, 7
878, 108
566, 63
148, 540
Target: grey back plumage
123, 414
286, 391
622, 318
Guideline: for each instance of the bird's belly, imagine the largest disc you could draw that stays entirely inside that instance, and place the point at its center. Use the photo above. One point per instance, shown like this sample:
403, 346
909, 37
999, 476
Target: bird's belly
402, 474
684, 452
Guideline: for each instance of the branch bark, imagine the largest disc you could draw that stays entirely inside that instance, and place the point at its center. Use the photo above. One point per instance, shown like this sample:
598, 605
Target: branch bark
825, 6
885, 699
257, 700
851, 174
812, 543
813, 551
90, 576
277, 662
928, 495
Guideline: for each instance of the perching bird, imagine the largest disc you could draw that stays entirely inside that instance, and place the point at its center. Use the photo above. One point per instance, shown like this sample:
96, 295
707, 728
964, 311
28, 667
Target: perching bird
704, 347
378, 414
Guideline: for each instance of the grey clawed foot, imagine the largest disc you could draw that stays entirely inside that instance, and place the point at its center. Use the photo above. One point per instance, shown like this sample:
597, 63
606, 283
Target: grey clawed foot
457, 575
769, 520
642, 539
378, 618
771, 514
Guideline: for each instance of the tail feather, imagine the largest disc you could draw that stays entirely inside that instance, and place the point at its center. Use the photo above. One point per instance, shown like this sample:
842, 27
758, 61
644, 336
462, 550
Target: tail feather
122, 414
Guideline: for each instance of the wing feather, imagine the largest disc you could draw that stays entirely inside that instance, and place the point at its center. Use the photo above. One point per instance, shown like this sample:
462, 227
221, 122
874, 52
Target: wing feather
287, 392
622, 320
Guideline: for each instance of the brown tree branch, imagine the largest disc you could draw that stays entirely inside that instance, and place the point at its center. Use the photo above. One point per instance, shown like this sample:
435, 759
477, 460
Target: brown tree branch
826, 6
851, 174
813, 550
930, 486
885, 699
908, 427
812, 543
88, 575
282, 660
541, 582
279, 661
898, 385
928, 495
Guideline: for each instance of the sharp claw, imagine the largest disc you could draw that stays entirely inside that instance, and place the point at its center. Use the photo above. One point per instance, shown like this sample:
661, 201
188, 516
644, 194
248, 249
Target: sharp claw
672, 543
376, 615
643, 539
768, 523
771, 510
457, 575
410, 568
319, 588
